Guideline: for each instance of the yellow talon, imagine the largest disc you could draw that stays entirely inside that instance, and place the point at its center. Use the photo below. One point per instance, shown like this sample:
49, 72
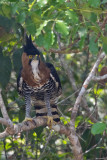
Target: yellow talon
50, 121
28, 119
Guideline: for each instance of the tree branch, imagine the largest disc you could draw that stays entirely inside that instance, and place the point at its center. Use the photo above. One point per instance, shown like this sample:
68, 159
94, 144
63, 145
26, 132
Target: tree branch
3, 108
68, 131
77, 150
4, 111
84, 87
76, 146
4, 122
20, 127
4, 134
73, 84
99, 78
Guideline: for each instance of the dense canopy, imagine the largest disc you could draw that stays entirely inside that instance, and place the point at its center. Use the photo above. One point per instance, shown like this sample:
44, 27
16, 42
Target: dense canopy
70, 34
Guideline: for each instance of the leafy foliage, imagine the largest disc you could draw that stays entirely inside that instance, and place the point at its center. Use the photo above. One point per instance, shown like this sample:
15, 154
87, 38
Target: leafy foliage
62, 28
17, 58
98, 128
79, 24
5, 70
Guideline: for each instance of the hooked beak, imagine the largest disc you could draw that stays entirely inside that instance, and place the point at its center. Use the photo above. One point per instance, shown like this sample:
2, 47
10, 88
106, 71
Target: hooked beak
36, 57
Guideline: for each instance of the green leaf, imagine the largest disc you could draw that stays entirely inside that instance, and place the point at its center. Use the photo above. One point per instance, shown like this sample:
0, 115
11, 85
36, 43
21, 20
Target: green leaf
72, 15
98, 128
93, 17
62, 27
30, 154
64, 142
82, 32
65, 120
5, 70
42, 3
41, 28
94, 3
49, 39
105, 47
39, 131
6, 10
104, 39
30, 26
81, 42
74, 31
6, 23
71, 5
46, 39
5, 37
21, 17
61, 1
14, 8
95, 29
36, 18
40, 40
17, 60
63, 155
93, 47
78, 120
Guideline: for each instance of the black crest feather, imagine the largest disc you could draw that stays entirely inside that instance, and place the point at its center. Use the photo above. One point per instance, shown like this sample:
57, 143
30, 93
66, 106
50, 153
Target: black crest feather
29, 48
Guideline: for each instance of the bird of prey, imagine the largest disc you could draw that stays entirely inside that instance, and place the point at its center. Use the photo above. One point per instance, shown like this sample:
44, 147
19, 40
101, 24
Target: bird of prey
40, 85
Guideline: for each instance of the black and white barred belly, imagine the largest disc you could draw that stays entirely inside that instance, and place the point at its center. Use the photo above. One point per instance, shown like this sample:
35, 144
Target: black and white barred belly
50, 87
38, 97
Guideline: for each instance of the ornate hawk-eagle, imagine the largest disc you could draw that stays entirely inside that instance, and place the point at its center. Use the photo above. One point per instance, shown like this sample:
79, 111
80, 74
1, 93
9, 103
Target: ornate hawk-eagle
39, 83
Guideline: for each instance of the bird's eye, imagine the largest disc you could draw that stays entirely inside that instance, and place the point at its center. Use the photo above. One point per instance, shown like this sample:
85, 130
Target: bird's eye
30, 56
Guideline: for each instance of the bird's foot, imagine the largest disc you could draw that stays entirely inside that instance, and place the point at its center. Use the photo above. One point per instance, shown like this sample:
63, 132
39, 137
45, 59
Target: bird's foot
50, 121
27, 119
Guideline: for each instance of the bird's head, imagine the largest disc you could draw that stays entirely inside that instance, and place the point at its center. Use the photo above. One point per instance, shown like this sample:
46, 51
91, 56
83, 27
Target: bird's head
31, 53
34, 69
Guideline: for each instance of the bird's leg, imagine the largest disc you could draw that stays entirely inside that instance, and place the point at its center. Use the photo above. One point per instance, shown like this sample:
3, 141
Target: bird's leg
28, 108
49, 115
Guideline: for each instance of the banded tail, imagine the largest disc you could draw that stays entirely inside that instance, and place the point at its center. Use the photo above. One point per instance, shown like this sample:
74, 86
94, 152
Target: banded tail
41, 111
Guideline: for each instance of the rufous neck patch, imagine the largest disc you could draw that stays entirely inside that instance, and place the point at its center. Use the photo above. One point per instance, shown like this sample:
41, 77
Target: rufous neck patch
27, 73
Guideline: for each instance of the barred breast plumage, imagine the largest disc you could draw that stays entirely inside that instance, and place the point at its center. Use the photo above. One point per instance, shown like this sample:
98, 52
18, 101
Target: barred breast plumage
52, 87
38, 81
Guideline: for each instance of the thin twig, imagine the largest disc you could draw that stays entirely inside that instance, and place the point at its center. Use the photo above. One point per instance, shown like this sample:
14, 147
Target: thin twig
84, 87
3, 108
93, 146
68, 97
64, 101
99, 78
73, 84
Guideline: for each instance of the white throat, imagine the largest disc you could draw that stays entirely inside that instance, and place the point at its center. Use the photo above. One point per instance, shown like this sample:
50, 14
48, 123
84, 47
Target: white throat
35, 69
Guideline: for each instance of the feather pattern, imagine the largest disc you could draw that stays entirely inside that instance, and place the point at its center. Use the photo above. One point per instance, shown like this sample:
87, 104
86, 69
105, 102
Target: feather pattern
38, 79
